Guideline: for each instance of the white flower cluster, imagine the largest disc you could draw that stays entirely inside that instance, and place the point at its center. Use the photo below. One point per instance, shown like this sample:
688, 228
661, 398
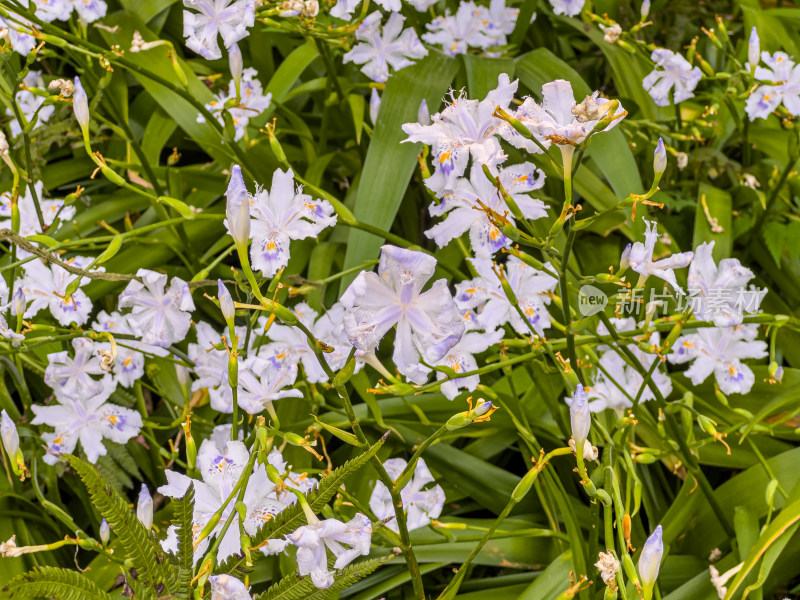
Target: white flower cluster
473, 26
783, 76
21, 37
477, 194
252, 102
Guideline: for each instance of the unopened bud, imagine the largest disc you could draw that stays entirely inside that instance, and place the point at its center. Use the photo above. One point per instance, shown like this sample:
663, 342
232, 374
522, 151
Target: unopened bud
105, 532
650, 561
374, 106
226, 303
624, 260
481, 412
753, 50
645, 9
235, 62
775, 371
8, 432
80, 105
144, 507
660, 158
579, 415
423, 115
191, 446
237, 208
20, 302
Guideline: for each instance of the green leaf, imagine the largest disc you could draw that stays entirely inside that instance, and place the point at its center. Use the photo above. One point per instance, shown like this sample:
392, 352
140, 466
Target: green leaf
553, 581
777, 532
483, 71
292, 517
468, 474
628, 70
713, 220
356, 102
293, 587
774, 235
290, 70
50, 582
180, 110
390, 163
147, 556
147, 9
159, 129
182, 519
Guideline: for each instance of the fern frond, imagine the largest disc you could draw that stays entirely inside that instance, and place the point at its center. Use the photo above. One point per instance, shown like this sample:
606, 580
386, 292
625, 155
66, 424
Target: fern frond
183, 510
115, 476
293, 587
147, 556
292, 517
51, 582
120, 453
137, 590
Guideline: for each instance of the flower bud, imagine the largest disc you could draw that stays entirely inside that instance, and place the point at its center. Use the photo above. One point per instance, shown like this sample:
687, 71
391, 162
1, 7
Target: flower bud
3, 144
776, 371
310, 8
645, 9
191, 446
423, 115
237, 208
579, 416
225, 302
481, 408
753, 50
482, 411
105, 532
374, 106
660, 158
624, 260
144, 507
80, 105
236, 63
8, 431
650, 561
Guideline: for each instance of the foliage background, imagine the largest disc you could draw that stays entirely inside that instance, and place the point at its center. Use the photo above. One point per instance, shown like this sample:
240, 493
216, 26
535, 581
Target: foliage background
142, 117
